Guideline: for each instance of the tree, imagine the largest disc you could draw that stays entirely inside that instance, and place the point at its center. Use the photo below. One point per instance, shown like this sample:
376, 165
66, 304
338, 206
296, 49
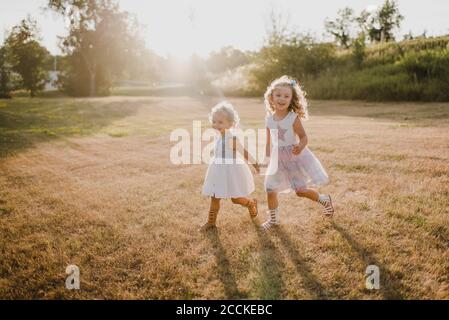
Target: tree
342, 26
226, 59
408, 36
277, 27
362, 21
359, 50
389, 18
27, 57
5, 75
101, 44
381, 25
300, 56
146, 67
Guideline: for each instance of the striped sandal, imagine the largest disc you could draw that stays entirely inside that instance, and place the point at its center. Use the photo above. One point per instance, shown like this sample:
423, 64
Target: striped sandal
326, 202
273, 220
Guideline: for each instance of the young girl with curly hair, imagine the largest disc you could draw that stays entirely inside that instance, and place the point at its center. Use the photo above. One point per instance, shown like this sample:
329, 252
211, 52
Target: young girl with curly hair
293, 167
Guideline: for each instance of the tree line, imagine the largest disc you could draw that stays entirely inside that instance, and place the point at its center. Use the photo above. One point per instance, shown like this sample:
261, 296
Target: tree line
105, 45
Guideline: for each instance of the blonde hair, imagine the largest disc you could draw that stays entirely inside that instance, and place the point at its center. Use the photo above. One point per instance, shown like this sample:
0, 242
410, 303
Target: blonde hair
299, 102
228, 109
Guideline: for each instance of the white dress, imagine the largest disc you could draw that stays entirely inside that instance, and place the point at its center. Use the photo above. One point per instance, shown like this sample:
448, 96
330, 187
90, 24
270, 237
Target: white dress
286, 171
228, 176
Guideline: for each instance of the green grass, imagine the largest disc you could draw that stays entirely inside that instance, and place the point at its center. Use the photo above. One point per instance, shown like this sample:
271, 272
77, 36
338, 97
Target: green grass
24, 121
42, 94
118, 134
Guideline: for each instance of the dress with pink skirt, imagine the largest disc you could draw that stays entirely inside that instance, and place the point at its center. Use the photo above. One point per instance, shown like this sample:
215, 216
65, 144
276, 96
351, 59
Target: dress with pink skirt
286, 171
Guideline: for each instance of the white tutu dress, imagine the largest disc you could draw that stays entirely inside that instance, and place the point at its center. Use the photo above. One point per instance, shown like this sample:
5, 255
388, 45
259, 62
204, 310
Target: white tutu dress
291, 172
228, 176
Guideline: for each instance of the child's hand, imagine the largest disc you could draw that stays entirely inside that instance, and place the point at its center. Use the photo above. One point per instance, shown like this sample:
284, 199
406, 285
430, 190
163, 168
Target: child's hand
296, 149
265, 163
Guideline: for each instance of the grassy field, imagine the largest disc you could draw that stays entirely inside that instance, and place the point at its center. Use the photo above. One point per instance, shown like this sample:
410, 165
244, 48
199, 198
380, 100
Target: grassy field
89, 182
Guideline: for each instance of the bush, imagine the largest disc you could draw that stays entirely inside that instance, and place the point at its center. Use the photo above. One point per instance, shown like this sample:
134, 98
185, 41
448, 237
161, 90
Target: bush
426, 65
409, 70
299, 57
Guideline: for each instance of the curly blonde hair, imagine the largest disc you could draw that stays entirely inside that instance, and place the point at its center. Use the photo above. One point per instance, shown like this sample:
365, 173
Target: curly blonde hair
299, 102
228, 109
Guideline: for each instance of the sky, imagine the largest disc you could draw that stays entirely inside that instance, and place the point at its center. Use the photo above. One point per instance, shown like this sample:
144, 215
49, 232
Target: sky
183, 27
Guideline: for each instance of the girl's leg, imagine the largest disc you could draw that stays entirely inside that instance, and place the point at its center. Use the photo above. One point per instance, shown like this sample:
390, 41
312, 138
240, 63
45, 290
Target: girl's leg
273, 211
272, 198
323, 199
308, 193
251, 204
213, 212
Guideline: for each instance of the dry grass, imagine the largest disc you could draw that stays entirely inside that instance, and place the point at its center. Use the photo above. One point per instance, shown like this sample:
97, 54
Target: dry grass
110, 201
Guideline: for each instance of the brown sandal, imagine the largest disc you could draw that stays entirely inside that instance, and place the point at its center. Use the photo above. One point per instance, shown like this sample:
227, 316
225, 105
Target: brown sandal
252, 208
206, 227
211, 220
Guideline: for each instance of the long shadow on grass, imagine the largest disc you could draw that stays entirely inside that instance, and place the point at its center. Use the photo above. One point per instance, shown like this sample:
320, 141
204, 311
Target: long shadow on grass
223, 267
390, 285
270, 285
311, 282
24, 122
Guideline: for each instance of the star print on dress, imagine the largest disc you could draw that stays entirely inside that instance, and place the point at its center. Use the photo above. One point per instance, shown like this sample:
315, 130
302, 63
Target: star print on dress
281, 133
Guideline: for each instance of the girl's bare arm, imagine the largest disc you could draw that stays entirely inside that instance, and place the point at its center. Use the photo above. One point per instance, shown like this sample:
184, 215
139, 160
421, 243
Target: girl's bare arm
267, 149
268, 145
237, 146
301, 133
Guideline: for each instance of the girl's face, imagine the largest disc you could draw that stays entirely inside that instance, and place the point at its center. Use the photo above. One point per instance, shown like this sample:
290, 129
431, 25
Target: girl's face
281, 98
220, 122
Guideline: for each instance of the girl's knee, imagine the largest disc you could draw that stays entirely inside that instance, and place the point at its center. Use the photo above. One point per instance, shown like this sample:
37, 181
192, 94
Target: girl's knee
301, 192
235, 200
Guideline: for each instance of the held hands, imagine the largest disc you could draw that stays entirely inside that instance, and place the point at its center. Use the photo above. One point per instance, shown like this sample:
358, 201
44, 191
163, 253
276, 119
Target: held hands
296, 149
257, 167
264, 164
